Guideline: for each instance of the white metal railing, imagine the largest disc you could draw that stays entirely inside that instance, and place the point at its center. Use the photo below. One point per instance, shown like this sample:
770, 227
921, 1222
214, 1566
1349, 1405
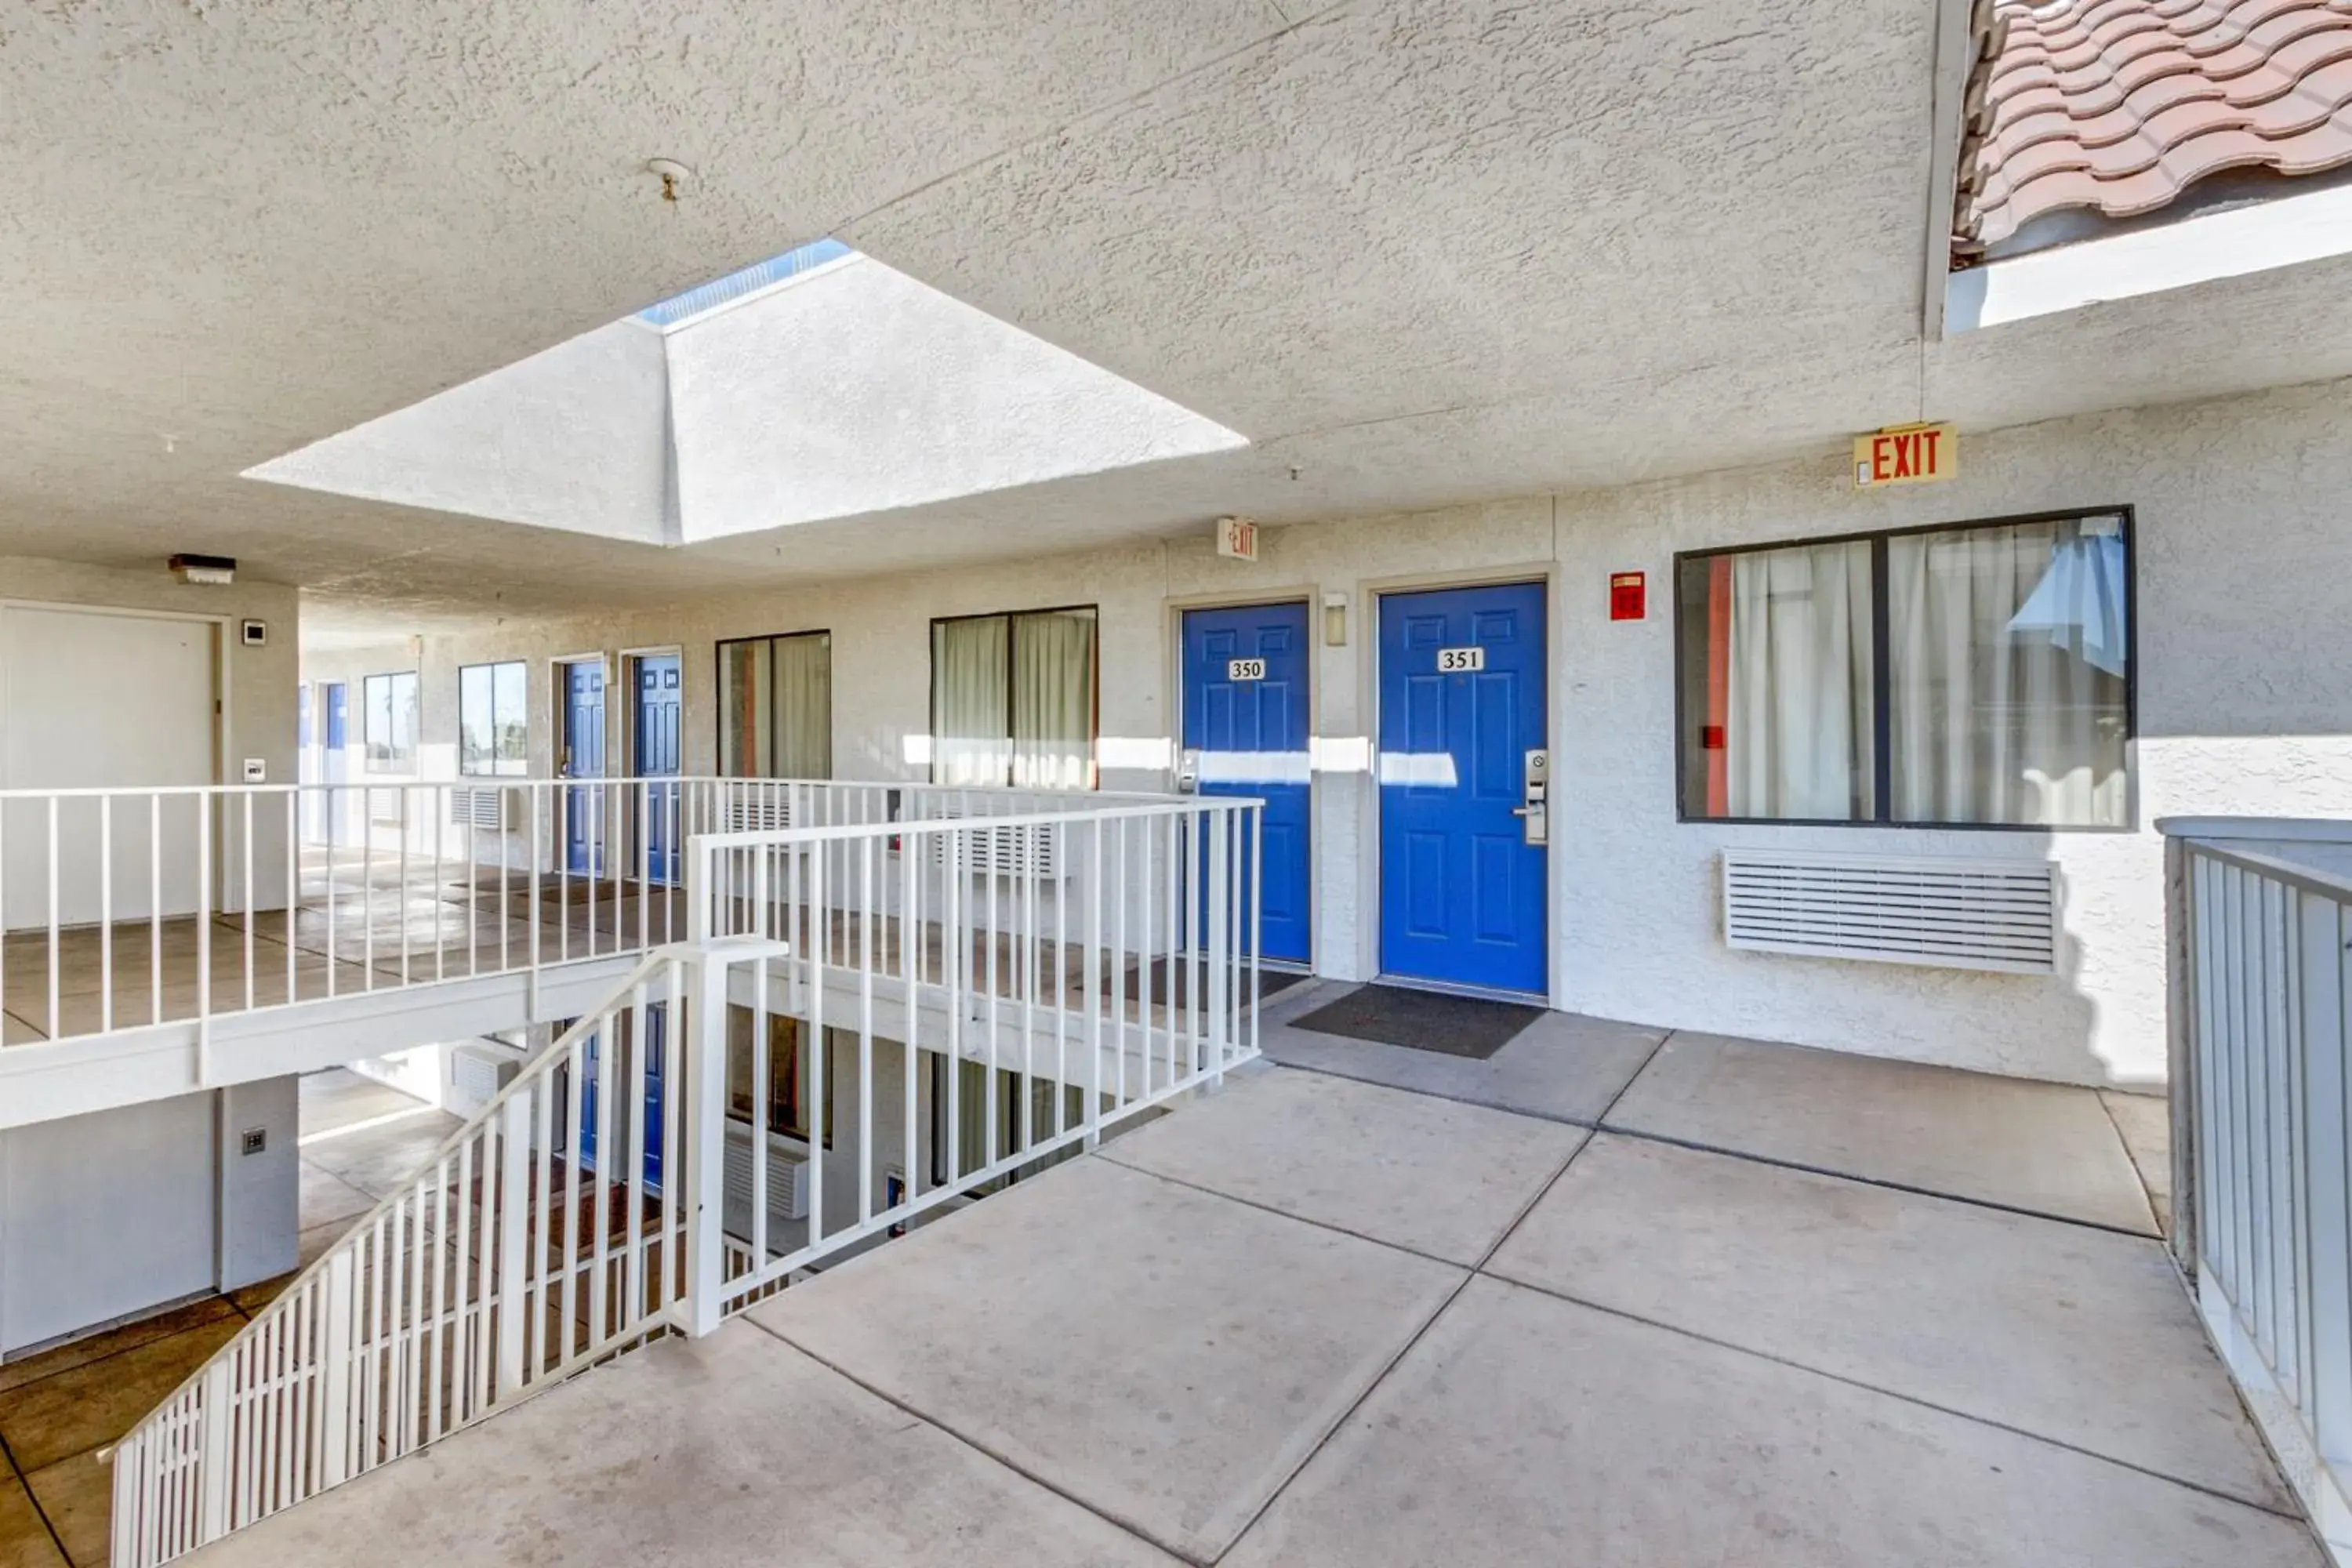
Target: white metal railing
130, 908
867, 1021
2261, 915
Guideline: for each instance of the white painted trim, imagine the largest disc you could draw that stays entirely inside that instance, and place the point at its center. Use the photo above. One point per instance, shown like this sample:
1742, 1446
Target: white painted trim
1951, 66
2262, 236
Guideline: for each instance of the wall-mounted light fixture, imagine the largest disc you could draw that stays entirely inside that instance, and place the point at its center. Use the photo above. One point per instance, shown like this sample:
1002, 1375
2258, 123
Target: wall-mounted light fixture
1335, 620
217, 571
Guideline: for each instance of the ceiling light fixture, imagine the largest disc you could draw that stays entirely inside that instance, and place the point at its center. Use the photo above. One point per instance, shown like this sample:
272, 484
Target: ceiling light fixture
216, 571
674, 175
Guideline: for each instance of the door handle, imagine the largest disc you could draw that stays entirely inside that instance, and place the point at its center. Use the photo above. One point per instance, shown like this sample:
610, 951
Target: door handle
1525, 810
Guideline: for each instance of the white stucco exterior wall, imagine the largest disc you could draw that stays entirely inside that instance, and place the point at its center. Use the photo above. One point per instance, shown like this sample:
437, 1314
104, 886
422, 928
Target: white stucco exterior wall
2245, 626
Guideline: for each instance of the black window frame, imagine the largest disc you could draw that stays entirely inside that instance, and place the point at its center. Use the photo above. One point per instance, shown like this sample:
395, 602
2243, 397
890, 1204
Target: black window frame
718, 684
1882, 682
1012, 619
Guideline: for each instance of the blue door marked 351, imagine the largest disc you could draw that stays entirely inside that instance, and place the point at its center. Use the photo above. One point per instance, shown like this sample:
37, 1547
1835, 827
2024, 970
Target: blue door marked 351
1245, 714
1462, 704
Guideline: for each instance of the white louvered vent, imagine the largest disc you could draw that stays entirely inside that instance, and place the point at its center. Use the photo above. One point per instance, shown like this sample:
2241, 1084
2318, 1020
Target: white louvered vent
1011, 850
787, 1176
476, 806
765, 813
1948, 911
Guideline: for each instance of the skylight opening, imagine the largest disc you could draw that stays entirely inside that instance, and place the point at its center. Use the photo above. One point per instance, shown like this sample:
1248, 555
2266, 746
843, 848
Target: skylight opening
705, 298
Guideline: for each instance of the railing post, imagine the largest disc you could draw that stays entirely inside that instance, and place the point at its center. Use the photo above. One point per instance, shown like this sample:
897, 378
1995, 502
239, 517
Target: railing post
2180, 1043
212, 1451
514, 1244
705, 1136
335, 1371
1220, 935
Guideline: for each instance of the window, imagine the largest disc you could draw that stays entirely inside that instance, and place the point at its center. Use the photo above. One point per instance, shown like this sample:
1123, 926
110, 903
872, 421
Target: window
493, 721
1012, 700
1972, 675
775, 707
972, 1150
788, 1076
389, 722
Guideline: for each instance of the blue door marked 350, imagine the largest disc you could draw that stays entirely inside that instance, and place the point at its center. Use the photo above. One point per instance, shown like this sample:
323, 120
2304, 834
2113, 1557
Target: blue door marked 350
583, 758
657, 757
1462, 704
1245, 714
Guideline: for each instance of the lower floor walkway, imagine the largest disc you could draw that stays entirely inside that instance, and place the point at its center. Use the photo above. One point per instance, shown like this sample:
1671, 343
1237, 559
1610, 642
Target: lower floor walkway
1692, 1300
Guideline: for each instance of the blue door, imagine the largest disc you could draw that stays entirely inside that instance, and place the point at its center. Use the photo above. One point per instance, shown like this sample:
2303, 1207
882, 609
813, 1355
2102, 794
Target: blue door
583, 758
656, 1035
337, 814
1245, 715
1462, 704
656, 748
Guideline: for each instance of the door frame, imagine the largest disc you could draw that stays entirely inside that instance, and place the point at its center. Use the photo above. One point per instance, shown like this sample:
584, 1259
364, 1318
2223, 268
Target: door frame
1306, 594
1368, 591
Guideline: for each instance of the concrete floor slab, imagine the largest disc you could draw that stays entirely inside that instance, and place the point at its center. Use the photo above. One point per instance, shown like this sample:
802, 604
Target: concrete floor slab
74, 1411
1168, 1357
1523, 1429
1434, 1175
378, 1159
1563, 1067
2039, 1147
732, 1450
2079, 1335
77, 1497
2144, 1122
24, 1538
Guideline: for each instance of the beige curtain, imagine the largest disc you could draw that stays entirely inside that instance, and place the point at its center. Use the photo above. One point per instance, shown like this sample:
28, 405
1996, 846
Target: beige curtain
1994, 722
1053, 701
800, 708
971, 709
1798, 722
743, 710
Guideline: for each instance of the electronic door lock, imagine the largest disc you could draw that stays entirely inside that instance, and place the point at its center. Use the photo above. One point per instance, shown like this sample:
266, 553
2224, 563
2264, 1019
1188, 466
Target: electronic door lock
1534, 810
1187, 771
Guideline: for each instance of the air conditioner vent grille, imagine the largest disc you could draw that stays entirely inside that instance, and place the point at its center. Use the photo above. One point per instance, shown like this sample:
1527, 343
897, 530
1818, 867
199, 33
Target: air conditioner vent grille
1949, 912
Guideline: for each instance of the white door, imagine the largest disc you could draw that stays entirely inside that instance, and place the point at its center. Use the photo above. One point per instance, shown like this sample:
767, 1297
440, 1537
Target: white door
90, 700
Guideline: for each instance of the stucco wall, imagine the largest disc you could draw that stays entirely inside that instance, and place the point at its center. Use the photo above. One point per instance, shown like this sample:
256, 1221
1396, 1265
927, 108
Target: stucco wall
2245, 610
259, 680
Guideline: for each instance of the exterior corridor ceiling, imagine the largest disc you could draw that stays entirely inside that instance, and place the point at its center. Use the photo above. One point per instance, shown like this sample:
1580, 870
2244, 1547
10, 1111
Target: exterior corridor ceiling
1416, 252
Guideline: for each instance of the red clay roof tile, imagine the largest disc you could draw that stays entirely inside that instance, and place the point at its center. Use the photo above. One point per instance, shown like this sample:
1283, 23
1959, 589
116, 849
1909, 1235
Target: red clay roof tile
2120, 105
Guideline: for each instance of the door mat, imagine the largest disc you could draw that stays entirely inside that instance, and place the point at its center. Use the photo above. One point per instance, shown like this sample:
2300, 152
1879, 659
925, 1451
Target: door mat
1469, 1026
1271, 983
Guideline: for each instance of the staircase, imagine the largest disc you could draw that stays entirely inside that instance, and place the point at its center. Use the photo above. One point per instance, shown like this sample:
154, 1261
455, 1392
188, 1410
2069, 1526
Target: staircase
905, 1006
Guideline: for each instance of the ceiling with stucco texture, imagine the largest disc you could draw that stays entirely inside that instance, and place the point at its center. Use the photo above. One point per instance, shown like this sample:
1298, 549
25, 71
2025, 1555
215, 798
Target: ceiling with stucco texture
1414, 252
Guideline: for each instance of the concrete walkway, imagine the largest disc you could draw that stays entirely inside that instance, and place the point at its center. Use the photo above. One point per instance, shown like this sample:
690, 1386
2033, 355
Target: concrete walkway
1753, 1306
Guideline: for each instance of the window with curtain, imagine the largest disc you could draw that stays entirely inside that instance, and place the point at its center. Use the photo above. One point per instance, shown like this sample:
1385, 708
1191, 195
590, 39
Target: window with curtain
775, 707
1975, 675
1012, 700
493, 719
388, 722
787, 1098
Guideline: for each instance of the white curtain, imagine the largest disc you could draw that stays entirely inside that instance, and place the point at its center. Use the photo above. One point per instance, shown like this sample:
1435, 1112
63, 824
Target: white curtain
801, 698
971, 706
2002, 714
1797, 724
1053, 701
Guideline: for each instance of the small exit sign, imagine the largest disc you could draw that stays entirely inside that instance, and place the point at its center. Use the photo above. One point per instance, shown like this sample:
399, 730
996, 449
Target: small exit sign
1906, 455
1626, 596
1237, 538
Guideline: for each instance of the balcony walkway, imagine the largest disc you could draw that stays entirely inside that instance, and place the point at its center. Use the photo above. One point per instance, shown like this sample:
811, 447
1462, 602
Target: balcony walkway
1781, 1308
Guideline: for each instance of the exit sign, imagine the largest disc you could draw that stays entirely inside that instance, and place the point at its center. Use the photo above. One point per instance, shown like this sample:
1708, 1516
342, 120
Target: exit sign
1906, 455
1237, 538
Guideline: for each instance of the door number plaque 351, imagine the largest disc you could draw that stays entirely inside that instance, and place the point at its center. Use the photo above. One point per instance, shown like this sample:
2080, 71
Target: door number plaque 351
1460, 660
